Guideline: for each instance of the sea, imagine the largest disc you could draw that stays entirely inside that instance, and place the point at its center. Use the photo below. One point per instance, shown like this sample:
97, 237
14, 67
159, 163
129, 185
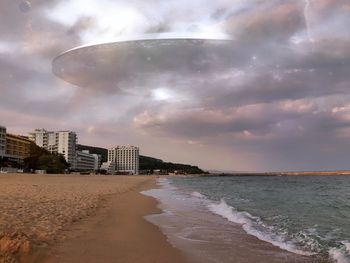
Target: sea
247, 219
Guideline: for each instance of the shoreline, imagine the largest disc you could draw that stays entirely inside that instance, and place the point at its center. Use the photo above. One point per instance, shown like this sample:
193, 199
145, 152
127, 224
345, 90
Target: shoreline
119, 233
238, 246
115, 229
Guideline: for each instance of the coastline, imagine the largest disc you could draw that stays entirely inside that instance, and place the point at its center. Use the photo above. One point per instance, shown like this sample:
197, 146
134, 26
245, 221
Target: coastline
207, 236
114, 225
110, 228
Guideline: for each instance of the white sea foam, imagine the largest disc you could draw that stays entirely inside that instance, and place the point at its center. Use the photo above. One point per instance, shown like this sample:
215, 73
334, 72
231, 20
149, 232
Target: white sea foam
338, 255
250, 223
197, 194
186, 235
347, 246
165, 183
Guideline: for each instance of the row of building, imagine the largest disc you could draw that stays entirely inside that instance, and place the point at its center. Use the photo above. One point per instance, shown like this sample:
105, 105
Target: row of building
14, 147
121, 159
65, 143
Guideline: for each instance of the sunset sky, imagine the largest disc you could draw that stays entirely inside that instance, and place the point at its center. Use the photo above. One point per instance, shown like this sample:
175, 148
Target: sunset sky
285, 105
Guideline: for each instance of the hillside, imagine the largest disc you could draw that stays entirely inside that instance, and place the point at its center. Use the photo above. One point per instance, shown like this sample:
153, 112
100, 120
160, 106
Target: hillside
149, 163
94, 150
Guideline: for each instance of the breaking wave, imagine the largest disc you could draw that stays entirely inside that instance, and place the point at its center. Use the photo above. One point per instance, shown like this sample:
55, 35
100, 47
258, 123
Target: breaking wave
253, 226
197, 194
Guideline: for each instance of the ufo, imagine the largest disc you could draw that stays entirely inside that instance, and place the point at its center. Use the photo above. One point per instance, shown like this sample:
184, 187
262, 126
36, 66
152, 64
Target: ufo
113, 64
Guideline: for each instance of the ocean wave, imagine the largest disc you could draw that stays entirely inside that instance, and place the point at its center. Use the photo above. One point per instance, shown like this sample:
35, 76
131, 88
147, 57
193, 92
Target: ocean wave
186, 235
338, 255
308, 241
197, 194
164, 182
251, 225
347, 246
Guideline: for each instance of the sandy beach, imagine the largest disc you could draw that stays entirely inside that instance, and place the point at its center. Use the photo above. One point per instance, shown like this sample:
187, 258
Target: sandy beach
65, 218
71, 218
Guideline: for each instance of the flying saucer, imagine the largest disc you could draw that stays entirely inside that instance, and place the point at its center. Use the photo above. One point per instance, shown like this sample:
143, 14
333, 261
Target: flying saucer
114, 63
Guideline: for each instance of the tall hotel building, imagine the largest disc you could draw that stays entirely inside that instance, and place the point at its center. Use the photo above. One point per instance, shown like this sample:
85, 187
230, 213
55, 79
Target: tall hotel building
124, 159
66, 142
62, 142
2, 141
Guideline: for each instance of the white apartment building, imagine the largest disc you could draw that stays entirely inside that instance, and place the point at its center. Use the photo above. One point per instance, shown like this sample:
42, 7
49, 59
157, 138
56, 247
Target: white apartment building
2, 141
97, 161
66, 145
62, 142
39, 137
51, 142
125, 159
85, 161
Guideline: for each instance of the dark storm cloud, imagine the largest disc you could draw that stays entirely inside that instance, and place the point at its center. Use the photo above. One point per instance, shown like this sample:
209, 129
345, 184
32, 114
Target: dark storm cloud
280, 119
282, 66
279, 85
279, 93
31, 40
269, 22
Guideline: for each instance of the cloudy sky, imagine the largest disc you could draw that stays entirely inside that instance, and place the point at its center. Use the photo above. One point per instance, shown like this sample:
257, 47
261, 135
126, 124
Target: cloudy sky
283, 104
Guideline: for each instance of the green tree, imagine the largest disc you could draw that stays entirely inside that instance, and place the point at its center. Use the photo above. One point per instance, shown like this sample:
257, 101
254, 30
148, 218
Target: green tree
51, 163
41, 159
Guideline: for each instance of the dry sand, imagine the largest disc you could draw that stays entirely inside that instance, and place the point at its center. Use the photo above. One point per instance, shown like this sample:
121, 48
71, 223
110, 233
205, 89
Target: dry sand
64, 218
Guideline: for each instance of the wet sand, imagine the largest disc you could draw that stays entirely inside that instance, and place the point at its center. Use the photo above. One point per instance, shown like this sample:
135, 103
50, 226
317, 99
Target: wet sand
119, 234
64, 218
